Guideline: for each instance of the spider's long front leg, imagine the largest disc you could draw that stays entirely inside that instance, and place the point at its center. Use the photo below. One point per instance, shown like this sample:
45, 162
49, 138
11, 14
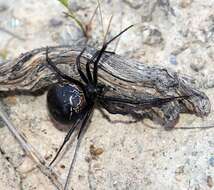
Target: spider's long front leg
82, 75
90, 61
60, 73
105, 45
88, 66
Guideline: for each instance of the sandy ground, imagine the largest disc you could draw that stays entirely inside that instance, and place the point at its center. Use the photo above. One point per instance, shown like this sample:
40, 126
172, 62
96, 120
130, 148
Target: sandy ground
177, 34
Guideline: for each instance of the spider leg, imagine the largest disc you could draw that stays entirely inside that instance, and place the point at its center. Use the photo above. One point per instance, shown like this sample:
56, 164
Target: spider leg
66, 139
89, 112
96, 63
102, 51
81, 133
82, 75
91, 61
88, 66
154, 102
115, 121
60, 73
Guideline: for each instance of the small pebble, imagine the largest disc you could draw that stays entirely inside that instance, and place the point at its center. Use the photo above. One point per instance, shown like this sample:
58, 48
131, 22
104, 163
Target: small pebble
11, 100
134, 4
209, 181
13, 23
211, 161
3, 7
185, 3
55, 22
173, 59
74, 5
180, 170
197, 65
151, 35
95, 151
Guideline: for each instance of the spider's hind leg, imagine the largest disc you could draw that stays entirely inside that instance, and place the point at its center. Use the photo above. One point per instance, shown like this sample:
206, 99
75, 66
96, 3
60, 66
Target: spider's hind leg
108, 118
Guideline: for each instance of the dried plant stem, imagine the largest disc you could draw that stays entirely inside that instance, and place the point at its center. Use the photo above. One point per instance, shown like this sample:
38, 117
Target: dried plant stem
30, 150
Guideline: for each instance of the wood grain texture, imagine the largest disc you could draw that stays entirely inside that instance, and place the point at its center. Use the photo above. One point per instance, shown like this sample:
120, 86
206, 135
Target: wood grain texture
122, 77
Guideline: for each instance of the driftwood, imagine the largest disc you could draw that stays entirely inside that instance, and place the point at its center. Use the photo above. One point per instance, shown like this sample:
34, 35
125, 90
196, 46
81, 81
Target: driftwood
122, 77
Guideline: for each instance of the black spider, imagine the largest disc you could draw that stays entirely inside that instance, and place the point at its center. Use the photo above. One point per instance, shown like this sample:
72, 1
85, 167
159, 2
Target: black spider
71, 101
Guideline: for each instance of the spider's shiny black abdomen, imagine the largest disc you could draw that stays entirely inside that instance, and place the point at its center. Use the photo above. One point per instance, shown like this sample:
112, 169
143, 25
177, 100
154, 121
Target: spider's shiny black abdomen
65, 102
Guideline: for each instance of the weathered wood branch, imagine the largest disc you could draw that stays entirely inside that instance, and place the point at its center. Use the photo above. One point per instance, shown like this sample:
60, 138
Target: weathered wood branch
122, 77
